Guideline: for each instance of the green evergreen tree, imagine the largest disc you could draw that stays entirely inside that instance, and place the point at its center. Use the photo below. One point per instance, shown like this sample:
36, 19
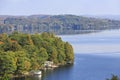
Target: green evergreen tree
7, 63
114, 77
69, 53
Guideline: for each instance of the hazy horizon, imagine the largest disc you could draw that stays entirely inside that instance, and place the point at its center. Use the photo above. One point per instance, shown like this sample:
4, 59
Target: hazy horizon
54, 7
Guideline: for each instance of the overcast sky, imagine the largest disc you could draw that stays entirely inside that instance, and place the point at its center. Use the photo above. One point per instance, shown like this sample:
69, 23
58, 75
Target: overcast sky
77, 7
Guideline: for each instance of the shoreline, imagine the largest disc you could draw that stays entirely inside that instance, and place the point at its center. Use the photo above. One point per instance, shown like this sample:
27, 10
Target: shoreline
28, 74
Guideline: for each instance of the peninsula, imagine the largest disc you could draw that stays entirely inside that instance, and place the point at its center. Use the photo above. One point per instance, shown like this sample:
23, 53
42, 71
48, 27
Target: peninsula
21, 53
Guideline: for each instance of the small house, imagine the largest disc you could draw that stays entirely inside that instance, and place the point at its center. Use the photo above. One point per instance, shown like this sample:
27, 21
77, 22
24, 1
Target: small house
48, 64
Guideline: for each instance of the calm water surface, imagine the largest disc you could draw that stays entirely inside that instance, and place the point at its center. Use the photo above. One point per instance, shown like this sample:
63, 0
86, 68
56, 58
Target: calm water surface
97, 57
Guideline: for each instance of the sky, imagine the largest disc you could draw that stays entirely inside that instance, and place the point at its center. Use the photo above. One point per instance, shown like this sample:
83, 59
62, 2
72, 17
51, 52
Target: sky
55, 7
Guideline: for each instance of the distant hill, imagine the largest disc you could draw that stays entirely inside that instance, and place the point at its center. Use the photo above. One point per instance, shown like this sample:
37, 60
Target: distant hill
58, 24
111, 17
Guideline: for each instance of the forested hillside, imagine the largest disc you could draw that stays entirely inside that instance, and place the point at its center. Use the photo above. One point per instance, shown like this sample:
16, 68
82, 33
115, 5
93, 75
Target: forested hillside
58, 24
21, 53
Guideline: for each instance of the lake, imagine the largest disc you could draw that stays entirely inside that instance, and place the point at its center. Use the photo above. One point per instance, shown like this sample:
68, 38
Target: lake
97, 57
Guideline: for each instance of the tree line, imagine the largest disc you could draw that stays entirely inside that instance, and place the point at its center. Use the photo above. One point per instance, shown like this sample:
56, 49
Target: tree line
59, 24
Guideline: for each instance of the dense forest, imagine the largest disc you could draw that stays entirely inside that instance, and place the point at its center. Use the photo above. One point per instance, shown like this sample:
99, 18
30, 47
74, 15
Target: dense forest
20, 53
58, 24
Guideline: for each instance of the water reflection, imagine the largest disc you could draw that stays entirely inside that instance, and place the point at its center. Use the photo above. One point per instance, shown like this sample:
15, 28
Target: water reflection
56, 74
28, 78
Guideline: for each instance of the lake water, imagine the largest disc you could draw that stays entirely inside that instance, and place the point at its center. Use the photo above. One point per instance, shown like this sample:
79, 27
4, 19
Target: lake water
97, 57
